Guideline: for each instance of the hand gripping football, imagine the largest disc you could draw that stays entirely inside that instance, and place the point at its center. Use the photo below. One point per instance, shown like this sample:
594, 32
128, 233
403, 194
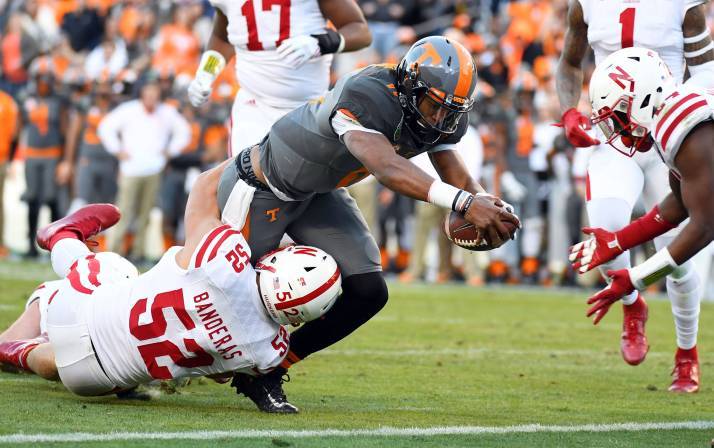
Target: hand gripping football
464, 234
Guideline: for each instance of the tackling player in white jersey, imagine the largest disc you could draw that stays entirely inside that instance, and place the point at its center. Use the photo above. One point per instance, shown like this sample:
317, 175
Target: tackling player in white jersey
283, 54
676, 29
201, 311
639, 105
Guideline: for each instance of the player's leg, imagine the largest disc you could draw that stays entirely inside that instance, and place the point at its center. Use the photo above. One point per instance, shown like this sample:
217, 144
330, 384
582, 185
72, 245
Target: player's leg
148, 192
532, 233
127, 198
27, 326
264, 227
41, 361
33, 179
74, 356
614, 184
334, 224
65, 237
14, 353
683, 288
426, 217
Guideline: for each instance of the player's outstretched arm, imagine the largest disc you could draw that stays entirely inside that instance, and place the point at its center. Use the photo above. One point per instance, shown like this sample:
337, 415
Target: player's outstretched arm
349, 21
399, 174
698, 47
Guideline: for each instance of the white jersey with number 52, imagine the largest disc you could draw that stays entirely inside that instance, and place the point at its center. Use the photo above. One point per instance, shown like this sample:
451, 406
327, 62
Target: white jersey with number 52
653, 24
256, 28
170, 322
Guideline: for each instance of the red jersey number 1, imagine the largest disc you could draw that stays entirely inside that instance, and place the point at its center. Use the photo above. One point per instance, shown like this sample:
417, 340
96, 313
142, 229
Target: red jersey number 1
627, 19
248, 12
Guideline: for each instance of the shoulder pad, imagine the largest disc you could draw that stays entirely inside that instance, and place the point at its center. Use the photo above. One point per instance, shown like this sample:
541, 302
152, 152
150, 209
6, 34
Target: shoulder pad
680, 113
371, 97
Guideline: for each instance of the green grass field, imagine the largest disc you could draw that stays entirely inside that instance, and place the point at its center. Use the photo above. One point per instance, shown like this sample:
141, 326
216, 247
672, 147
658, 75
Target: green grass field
439, 366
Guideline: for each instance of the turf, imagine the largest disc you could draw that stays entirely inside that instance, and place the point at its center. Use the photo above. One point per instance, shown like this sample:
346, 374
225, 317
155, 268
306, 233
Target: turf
435, 356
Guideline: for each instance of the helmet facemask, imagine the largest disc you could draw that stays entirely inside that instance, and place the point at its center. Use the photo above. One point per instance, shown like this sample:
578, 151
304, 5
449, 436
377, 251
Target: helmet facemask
620, 130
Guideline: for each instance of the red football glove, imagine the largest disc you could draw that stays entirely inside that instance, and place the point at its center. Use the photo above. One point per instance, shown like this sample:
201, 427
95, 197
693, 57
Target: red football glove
601, 248
575, 125
620, 285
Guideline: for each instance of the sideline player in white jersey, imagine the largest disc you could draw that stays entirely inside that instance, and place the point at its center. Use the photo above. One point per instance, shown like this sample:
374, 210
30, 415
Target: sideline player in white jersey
678, 31
639, 105
283, 54
201, 311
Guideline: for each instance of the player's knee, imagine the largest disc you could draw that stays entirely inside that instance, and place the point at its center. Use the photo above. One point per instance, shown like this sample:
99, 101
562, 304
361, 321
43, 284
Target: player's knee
369, 289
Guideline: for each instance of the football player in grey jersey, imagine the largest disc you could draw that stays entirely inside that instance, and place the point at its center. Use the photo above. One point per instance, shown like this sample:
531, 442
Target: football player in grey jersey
371, 122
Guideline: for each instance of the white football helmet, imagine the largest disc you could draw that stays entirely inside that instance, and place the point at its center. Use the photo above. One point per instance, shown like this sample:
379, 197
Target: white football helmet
625, 91
298, 283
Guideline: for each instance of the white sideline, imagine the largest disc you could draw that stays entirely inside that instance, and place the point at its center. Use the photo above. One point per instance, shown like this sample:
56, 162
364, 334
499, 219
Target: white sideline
383, 431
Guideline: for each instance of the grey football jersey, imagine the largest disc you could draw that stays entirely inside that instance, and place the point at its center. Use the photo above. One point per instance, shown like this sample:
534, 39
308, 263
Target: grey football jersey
302, 155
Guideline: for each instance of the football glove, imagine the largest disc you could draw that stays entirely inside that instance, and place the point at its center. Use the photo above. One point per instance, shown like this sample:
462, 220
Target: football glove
620, 285
575, 125
298, 50
601, 248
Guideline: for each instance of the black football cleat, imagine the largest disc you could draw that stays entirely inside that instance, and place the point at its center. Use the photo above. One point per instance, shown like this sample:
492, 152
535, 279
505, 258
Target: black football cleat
266, 391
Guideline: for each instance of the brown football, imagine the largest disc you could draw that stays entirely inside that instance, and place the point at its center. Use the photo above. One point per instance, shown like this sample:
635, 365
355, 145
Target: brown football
464, 234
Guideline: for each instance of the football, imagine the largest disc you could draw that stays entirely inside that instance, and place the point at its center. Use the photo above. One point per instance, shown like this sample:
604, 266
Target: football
464, 234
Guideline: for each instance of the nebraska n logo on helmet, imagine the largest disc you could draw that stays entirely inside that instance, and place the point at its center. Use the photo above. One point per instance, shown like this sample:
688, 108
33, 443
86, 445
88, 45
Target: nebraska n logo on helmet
436, 81
625, 91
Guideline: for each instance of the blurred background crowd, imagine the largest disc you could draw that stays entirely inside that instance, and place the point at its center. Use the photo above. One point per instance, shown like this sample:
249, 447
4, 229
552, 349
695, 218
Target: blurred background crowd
76, 73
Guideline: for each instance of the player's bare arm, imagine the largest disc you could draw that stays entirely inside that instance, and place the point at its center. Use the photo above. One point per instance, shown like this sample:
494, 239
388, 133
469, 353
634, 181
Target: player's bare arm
569, 79
219, 36
569, 72
696, 166
698, 47
347, 17
201, 211
402, 176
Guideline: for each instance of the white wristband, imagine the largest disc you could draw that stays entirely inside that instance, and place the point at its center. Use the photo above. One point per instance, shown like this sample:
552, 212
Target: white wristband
654, 268
448, 196
211, 65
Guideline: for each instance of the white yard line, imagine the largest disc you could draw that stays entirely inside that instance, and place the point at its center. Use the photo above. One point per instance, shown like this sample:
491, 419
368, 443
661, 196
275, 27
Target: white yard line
378, 432
472, 352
